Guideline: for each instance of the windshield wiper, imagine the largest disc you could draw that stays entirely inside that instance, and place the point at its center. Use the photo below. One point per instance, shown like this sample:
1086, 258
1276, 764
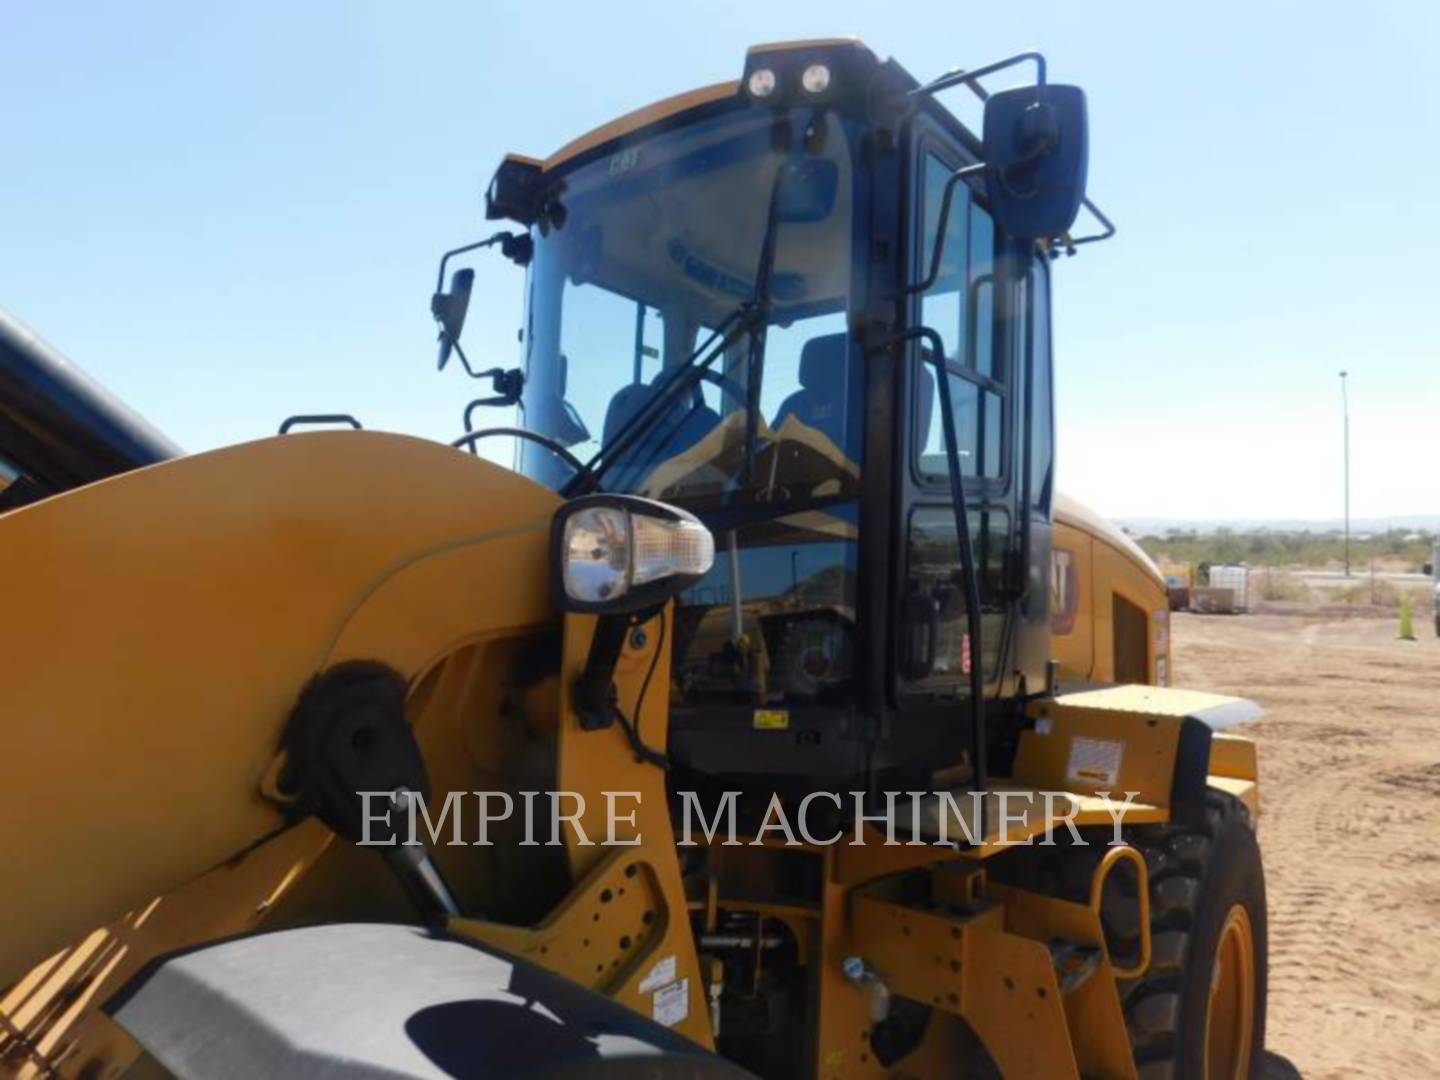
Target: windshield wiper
745, 318
755, 358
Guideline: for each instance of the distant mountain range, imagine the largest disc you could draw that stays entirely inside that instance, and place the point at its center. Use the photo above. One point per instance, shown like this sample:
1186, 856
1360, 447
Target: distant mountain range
1147, 526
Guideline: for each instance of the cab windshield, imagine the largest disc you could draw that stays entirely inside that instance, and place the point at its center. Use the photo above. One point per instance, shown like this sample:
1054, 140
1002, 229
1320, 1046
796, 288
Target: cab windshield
640, 257
646, 253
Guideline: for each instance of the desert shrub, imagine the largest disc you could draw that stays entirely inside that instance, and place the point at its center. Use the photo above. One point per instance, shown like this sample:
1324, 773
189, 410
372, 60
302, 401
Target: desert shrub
1364, 591
1281, 547
1280, 585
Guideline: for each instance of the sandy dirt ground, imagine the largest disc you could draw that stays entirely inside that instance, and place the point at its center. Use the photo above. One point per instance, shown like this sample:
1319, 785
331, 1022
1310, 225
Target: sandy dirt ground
1349, 827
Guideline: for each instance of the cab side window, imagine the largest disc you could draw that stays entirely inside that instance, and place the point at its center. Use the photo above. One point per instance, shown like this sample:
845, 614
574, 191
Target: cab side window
1042, 393
960, 305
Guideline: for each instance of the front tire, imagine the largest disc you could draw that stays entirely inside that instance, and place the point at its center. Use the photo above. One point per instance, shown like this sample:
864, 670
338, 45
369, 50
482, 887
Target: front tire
1200, 1009
1207, 931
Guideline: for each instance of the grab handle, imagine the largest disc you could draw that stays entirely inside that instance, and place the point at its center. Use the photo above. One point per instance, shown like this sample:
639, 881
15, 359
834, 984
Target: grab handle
1142, 884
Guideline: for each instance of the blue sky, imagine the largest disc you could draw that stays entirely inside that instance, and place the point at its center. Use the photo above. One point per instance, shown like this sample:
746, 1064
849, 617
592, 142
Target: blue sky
232, 213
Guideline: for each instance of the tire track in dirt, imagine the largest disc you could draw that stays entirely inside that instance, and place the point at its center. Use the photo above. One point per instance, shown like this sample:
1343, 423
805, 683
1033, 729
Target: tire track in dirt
1350, 818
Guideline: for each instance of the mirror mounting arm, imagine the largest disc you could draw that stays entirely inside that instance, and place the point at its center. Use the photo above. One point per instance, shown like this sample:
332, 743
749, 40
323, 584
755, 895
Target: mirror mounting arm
1107, 230
508, 387
515, 246
972, 78
448, 343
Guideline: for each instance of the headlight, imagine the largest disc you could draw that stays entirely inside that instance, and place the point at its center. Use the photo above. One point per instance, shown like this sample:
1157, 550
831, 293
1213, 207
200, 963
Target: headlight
595, 561
761, 83
622, 553
816, 79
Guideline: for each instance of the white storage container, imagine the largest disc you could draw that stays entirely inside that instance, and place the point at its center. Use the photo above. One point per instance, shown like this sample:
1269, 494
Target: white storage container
1236, 579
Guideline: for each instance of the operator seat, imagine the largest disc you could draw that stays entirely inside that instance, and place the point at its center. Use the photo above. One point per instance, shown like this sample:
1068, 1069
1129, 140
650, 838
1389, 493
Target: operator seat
686, 421
831, 389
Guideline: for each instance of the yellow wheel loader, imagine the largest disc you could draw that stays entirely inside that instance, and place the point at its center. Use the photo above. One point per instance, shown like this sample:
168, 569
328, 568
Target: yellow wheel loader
768, 717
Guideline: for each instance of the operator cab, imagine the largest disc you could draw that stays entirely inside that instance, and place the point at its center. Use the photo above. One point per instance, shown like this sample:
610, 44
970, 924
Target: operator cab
723, 303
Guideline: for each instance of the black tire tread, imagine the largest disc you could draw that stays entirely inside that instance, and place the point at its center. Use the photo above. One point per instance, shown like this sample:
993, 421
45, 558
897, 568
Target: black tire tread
1177, 858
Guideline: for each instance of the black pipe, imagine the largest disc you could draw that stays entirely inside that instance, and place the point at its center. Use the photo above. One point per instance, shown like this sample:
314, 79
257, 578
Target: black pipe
59, 428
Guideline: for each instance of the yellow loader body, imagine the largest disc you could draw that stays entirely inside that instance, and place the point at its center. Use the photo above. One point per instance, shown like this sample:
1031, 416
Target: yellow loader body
149, 795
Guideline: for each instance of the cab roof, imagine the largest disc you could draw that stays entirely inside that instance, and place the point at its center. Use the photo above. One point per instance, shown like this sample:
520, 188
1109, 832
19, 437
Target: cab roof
670, 107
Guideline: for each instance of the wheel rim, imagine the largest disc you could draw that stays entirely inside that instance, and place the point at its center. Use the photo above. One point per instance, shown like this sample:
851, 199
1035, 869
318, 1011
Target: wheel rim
1230, 1015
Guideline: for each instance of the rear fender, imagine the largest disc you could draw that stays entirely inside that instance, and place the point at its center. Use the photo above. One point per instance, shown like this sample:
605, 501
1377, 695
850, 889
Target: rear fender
1164, 747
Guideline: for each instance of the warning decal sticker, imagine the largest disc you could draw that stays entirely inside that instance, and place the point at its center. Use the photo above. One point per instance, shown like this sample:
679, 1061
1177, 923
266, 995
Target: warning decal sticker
1094, 761
663, 972
671, 1004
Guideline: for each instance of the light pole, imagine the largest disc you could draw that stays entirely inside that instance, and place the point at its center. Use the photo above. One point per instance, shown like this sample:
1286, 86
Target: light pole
1345, 406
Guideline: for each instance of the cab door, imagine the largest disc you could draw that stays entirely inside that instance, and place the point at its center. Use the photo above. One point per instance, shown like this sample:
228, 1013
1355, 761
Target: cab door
974, 298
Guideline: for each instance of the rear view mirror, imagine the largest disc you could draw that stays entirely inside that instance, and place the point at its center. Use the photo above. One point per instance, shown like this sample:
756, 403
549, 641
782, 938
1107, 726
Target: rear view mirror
449, 311
1036, 148
807, 190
